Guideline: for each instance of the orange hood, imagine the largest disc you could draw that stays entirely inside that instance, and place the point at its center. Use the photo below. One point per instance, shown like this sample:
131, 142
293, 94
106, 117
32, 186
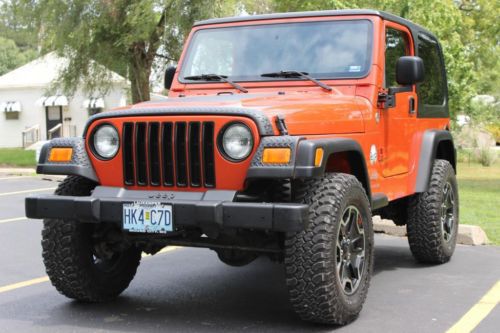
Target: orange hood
305, 113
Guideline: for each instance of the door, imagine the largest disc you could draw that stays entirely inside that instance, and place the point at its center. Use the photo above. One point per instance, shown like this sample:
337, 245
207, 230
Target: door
53, 116
399, 120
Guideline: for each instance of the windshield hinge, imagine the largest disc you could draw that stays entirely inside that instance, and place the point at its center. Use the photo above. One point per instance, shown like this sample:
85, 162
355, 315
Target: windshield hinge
385, 99
280, 123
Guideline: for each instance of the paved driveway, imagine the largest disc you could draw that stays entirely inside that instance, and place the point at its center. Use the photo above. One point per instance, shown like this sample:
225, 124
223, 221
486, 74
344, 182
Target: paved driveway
189, 290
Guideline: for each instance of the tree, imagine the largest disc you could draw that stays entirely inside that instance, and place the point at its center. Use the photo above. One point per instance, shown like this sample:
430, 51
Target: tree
18, 36
17, 24
125, 36
482, 38
11, 56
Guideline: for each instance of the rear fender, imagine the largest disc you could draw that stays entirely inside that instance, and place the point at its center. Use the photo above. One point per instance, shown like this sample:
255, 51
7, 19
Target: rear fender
436, 144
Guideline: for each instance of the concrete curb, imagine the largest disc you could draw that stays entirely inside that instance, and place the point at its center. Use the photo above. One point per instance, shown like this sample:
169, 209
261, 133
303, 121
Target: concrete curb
18, 171
467, 234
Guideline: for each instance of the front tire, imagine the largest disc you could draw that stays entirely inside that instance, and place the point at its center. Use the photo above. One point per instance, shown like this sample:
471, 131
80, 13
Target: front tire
329, 265
77, 261
433, 217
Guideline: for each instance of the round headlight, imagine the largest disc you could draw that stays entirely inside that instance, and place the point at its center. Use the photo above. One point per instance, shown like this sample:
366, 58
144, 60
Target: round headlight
106, 141
237, 142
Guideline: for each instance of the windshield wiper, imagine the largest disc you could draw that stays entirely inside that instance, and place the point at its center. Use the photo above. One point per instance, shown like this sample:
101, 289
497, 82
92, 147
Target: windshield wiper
215, 77
292, 74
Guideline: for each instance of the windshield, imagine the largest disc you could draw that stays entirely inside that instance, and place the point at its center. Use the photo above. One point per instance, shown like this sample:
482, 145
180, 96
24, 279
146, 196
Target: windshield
325, 50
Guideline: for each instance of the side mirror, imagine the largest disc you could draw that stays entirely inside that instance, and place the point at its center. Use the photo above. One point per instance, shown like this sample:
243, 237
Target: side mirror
409, 70
169, 76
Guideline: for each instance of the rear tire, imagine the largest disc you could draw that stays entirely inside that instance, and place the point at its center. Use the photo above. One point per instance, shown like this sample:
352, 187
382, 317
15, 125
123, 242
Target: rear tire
74, 265
329, 265
433, 217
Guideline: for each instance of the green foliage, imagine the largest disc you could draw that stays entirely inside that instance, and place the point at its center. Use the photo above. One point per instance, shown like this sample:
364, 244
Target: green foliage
17, 36
124, 36
482, 38
10, 55
494, 129
17, 24
484, 113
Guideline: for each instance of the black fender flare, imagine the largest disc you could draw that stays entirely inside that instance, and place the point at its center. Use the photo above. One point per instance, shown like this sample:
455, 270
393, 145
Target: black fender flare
435, 144
302, 165
78, 166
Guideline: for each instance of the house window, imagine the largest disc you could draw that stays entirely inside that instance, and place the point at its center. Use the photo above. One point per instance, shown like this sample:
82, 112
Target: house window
94, 105
11, 115
93, 111
11, 109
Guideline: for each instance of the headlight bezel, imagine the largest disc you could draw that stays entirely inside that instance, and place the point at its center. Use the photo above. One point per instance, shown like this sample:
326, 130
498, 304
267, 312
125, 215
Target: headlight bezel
92, 143
220, 141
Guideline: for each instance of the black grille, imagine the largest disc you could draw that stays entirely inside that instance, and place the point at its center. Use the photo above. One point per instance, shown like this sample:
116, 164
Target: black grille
168, 154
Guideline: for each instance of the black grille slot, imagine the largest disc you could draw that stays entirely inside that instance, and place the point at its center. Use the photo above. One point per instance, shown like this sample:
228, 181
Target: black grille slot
180, 154
167, 154
128, 153
208, 154
194, 154
154, 154
140, 154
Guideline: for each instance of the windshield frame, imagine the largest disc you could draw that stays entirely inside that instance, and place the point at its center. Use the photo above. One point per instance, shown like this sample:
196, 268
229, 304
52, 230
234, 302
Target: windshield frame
370, 51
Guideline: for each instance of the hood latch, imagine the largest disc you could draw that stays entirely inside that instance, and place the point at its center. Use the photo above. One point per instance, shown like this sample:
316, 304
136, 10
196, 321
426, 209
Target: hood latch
281, 125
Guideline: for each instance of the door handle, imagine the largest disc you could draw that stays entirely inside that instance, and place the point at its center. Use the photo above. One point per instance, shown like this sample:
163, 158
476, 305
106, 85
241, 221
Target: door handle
411, 105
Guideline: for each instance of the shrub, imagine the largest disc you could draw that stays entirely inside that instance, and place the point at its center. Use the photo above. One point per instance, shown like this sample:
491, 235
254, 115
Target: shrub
486, 156
494, 129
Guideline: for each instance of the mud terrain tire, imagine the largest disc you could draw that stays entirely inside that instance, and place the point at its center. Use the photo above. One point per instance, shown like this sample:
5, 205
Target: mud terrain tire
313, 256
431, 236
69, 258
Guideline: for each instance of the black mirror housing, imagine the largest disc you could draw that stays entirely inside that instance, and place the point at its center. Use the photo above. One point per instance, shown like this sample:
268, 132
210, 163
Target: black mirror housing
169, 76
409, 70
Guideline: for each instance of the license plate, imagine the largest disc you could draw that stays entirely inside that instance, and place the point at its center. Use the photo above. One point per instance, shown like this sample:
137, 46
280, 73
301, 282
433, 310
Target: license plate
147, 217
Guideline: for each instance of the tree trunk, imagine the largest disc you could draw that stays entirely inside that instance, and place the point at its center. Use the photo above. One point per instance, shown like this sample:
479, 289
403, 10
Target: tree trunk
139, 72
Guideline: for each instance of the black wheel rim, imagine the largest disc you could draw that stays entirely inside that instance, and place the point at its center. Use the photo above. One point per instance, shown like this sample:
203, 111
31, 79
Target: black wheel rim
350, 250
448, 224
104, 257
106, 265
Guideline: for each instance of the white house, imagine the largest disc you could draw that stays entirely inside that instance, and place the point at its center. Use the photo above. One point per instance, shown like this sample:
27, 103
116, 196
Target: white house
28, 115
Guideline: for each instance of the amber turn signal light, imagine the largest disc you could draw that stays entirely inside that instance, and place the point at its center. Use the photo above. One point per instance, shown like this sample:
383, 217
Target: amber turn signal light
318, 158
60, 154
276, 155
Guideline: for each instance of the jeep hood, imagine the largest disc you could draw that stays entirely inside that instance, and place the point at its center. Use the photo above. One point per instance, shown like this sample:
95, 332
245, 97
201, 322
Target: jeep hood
305, 113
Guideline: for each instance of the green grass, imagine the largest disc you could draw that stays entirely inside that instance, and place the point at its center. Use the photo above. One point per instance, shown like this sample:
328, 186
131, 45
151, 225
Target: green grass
17, 157
479, 191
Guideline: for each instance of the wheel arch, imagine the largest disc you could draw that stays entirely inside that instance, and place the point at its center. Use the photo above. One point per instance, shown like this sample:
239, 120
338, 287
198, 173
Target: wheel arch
436, 144
340, 155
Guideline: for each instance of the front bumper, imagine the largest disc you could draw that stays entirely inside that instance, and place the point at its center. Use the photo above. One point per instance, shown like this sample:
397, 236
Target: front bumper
190, 209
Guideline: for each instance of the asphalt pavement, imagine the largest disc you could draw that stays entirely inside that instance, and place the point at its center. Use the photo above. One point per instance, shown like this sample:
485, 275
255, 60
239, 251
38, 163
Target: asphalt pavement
190, 290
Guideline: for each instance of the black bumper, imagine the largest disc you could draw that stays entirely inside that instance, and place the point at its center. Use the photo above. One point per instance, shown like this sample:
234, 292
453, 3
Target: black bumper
211, 208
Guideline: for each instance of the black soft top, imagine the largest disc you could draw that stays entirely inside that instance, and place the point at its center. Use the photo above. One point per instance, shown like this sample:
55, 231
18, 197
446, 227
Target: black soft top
415, 28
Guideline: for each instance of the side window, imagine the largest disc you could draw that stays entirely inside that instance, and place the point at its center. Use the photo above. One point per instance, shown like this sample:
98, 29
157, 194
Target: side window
396, 46
431, 91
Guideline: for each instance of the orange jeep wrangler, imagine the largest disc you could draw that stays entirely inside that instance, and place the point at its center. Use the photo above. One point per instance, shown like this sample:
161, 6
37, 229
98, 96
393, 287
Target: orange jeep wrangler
282, 135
